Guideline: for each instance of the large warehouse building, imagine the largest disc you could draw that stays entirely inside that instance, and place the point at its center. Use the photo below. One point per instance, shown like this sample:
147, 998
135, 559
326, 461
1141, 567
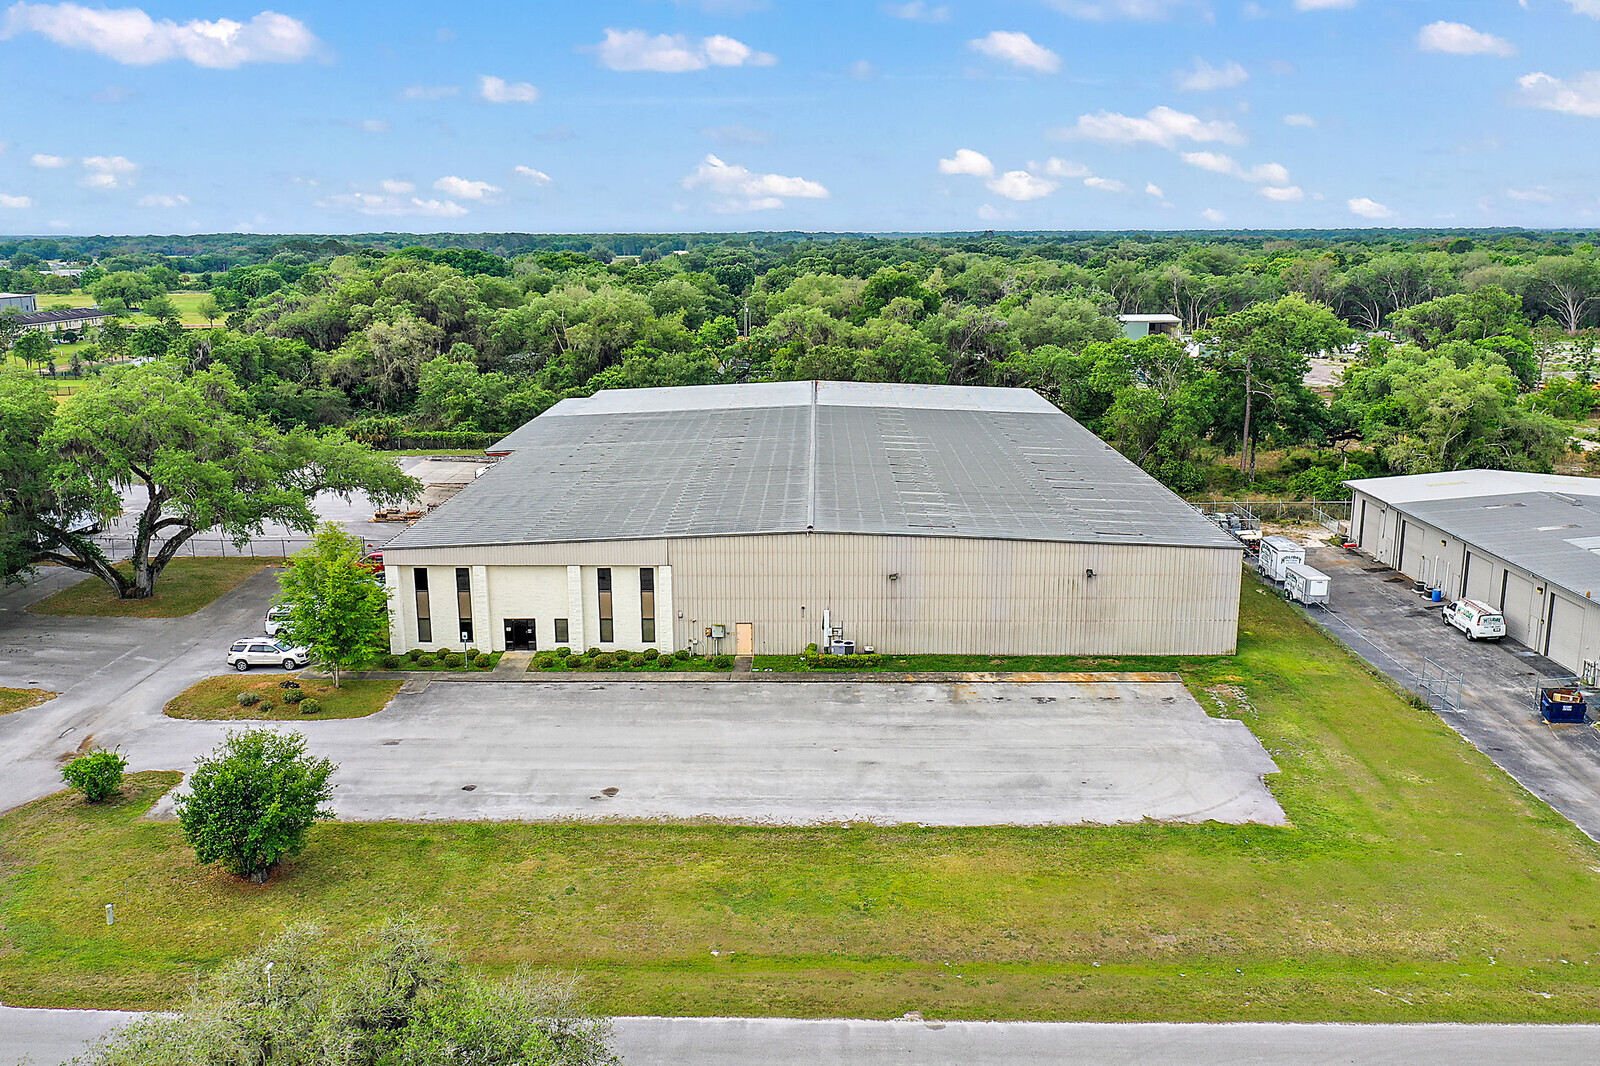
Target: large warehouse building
761, 518
1528, 544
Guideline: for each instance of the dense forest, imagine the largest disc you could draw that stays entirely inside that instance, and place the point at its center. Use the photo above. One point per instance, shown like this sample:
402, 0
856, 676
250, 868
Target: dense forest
1454, 349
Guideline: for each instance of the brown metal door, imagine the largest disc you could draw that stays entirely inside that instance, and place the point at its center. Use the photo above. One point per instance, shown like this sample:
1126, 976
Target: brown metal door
744, 638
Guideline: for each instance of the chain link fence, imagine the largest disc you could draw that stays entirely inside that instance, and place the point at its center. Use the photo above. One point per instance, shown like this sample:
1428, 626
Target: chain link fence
120, 546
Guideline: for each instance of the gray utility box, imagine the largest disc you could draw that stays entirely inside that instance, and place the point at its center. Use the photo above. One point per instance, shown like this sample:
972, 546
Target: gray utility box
1277, 553
1303, 583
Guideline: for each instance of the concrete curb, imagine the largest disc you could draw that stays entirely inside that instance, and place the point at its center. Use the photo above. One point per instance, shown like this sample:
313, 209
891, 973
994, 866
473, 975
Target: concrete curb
690, 676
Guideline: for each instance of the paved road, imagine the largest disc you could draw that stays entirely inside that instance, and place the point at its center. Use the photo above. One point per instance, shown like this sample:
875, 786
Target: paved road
1395, 630
49, 1038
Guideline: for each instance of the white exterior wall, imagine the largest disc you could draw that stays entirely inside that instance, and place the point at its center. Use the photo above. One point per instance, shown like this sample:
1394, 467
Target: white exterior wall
1552, 621
955, 595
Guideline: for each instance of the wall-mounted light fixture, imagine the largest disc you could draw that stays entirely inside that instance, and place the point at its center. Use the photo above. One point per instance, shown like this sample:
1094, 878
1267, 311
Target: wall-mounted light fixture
1089, 572
894, 576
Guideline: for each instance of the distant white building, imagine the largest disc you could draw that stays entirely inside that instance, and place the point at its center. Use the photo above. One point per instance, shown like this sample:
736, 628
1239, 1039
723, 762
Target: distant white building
1135, 327
18, 301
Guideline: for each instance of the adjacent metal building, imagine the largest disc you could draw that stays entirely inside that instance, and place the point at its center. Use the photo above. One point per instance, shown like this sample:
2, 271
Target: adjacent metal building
1528, 544
759, 518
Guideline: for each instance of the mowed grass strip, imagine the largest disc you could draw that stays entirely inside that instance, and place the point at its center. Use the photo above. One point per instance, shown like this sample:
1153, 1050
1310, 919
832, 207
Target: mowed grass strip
20, 699
1417, 883
218, 698
185, 586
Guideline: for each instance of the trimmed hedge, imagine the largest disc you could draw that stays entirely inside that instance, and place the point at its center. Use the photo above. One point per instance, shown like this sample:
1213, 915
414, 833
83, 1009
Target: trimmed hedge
841, 662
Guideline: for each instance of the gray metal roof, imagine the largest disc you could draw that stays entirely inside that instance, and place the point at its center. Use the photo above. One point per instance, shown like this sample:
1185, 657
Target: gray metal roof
1460, 484
1554, 536
788, 457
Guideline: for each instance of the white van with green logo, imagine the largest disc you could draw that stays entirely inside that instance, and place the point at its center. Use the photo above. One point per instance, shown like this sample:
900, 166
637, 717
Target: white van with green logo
1477, 620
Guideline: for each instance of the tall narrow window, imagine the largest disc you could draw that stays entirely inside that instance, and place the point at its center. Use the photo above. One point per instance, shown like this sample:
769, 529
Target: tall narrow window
603, 581
464, 602
561, 631
424, 622
647, 604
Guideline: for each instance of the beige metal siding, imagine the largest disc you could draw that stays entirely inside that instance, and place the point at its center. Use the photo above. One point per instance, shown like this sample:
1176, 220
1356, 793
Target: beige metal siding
961, 595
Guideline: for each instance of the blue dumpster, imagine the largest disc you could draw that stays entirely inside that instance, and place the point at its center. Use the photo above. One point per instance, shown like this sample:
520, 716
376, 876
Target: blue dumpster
1563, 705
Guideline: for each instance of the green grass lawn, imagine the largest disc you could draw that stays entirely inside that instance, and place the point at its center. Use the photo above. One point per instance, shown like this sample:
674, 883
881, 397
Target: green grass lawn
185, 586
20, 699
1417, 883
217, 698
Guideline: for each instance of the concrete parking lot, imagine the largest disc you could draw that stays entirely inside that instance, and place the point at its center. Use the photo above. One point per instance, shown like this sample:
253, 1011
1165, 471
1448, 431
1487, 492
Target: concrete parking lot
1374, 611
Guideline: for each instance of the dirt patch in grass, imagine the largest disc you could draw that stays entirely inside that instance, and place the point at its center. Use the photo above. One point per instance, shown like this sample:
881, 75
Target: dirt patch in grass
1416, 883
218, 698
185, 586
20, 699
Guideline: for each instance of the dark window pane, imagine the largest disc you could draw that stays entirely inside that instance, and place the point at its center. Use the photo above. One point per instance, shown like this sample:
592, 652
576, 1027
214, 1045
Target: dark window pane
647, 579
463, 579
561, 631
647, 630
606, 635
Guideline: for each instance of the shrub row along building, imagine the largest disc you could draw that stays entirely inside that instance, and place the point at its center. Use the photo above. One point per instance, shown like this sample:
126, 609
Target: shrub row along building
1528, 544
762, 518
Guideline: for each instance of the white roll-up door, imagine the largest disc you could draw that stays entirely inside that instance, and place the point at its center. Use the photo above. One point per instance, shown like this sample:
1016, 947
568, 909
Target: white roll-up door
1517, 606
1411, 545
1564, 633
1480, 578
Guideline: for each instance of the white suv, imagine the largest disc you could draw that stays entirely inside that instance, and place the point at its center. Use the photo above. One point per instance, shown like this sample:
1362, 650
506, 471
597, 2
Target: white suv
1476, 619
259, 651
277, 619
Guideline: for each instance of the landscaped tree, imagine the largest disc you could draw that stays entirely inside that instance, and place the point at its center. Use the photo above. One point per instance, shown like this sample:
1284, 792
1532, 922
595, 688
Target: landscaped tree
192, 447
1261, 355
161, 308
33, 348
253, 800
97, 775
209, 309
337, 607
132, 287
392, 995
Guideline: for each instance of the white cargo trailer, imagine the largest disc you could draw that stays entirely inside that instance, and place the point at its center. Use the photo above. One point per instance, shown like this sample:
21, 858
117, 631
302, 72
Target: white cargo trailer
1278, 552
1303, 583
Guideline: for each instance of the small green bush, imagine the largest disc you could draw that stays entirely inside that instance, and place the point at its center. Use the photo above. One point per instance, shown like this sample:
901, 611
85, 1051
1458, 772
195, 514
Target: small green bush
390, 662
664, 663
683, 655
723, 662
842, 662
472, 653
415, 653
483, 660
592, 652
293, 695
623, 657
604, 661
562, 653
247, 699
425, 661
811, 649
650, 655
544, 660
97, 775
450, 660
266, 707
310, 707
577, 662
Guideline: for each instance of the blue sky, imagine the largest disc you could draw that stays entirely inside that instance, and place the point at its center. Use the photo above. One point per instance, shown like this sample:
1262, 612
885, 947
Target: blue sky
673, 115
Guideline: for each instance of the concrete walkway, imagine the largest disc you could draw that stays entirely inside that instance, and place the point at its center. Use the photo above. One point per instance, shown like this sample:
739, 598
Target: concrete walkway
54, 1037
512, 665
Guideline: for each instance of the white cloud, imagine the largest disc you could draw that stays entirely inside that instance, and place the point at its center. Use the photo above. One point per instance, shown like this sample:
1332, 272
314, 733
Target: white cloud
1020, 185
990, 213
1283, 193
1537, 195
374, 125
1577, 96
1212, 215
499, 91
1105, 184
1586, 7
1162, 126
1218, 163
429, 92
966, 161
463, 189
1107, 10
163, 200
734, 133
14, 202
1063, 168
919, 11
128, 35
389, 205
1018, 49
49, 162
632, 50
1459, 39
861, 70
1300, 119
740, 189
538, 177
396, 188
109, 171
1366, 208
1204, 77
1154, 190
1322, 5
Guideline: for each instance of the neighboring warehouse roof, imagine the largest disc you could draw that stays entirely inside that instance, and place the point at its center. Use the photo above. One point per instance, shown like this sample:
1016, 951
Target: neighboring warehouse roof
1554, 536
787, 457
60, 314
1459, 484
1153, 319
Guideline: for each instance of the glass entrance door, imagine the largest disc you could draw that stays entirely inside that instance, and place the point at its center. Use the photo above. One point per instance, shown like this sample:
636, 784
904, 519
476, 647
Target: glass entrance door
521, 635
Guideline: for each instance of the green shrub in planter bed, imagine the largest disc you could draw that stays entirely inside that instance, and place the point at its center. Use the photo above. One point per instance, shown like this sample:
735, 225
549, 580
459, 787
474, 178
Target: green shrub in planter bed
247, 699
623, 657
723, 662
266, 706
664, 663
604, 661
425, 661
650, 655
293, 695
544, 660
390, 662
450, 660
562, 653
683, 655
309, 706
592, 652
483, 660
415, 653
472, 653
842, 662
